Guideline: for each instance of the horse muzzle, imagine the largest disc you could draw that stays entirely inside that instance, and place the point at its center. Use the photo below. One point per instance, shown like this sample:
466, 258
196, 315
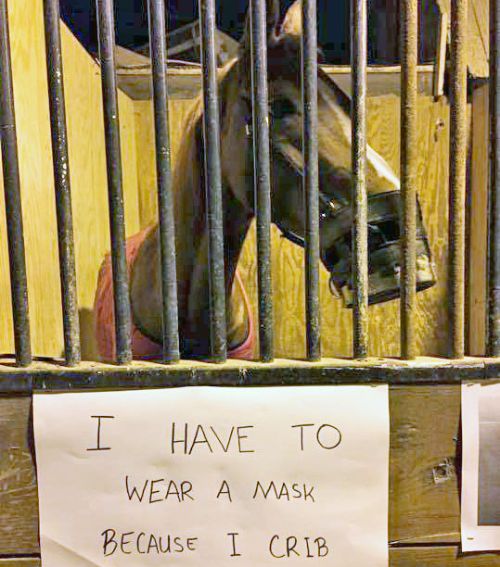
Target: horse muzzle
384, 250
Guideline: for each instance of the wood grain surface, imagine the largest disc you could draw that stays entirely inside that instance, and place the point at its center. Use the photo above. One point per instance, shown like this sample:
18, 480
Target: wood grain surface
18, 493
441, 557
87, 173
477, 272
477, 35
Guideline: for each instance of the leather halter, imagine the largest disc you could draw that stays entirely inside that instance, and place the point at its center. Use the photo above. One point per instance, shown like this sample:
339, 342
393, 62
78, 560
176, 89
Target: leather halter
328, 206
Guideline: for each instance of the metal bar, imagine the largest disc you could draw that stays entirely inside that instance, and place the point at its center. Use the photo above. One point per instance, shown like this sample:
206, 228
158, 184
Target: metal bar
13, 207
213, 182
458, 161
409, 154
311, 175
262, 174
62, 182
494, 228
106, 33
157, 39
360, 229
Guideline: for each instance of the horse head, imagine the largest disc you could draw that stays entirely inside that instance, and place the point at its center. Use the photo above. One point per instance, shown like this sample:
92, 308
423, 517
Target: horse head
335, 174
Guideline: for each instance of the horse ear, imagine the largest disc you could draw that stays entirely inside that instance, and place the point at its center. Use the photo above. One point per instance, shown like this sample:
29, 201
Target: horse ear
273, 24
292, 22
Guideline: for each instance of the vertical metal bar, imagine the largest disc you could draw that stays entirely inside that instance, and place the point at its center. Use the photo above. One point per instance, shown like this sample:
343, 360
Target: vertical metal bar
62, 182
494, 228
360, 230
409, 153
106, 33
311, 176
10, 165
262, 174
458, 161
213, 182
158, 50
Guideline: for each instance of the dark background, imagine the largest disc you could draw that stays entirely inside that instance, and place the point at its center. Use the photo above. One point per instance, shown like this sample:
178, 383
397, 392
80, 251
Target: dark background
333, 24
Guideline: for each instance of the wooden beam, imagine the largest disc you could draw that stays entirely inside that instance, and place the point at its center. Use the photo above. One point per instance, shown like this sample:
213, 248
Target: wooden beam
185, 82
445, 556
20, 562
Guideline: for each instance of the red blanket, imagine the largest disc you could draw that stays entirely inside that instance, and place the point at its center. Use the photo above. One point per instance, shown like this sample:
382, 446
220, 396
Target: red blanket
144, 348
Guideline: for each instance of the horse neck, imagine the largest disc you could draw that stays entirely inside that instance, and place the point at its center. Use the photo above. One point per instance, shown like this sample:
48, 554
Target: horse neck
192, 249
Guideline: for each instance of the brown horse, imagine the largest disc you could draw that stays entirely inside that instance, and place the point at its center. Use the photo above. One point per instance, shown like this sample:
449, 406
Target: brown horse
334, 140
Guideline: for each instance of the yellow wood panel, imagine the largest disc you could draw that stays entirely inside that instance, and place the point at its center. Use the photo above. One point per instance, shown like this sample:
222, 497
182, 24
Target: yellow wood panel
478, 227
88, 176
478, 38
477, 35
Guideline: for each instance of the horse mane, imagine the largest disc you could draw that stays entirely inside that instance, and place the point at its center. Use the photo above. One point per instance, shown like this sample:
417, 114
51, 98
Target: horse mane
189, 164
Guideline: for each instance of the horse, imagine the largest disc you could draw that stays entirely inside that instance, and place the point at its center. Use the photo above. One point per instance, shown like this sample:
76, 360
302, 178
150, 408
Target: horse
335, 186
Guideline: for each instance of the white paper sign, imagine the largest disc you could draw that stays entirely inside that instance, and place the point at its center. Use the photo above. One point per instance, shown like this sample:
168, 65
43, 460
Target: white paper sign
480, 467
214, 477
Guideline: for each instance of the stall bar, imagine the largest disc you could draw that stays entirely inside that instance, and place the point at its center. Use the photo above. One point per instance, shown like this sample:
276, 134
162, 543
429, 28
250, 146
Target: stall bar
62, 183
158, 46
494, 264
359, 33
262, 174
10, 165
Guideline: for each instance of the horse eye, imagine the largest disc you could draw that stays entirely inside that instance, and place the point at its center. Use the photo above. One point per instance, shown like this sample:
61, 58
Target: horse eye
282, 107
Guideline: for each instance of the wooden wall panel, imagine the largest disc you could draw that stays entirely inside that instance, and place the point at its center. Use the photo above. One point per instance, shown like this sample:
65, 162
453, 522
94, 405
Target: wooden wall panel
18, 493
88, 177
477, 35
477, 273
424, 500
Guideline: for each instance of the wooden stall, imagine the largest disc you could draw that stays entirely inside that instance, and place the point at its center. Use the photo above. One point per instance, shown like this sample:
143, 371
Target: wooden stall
425, 420
88, 178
